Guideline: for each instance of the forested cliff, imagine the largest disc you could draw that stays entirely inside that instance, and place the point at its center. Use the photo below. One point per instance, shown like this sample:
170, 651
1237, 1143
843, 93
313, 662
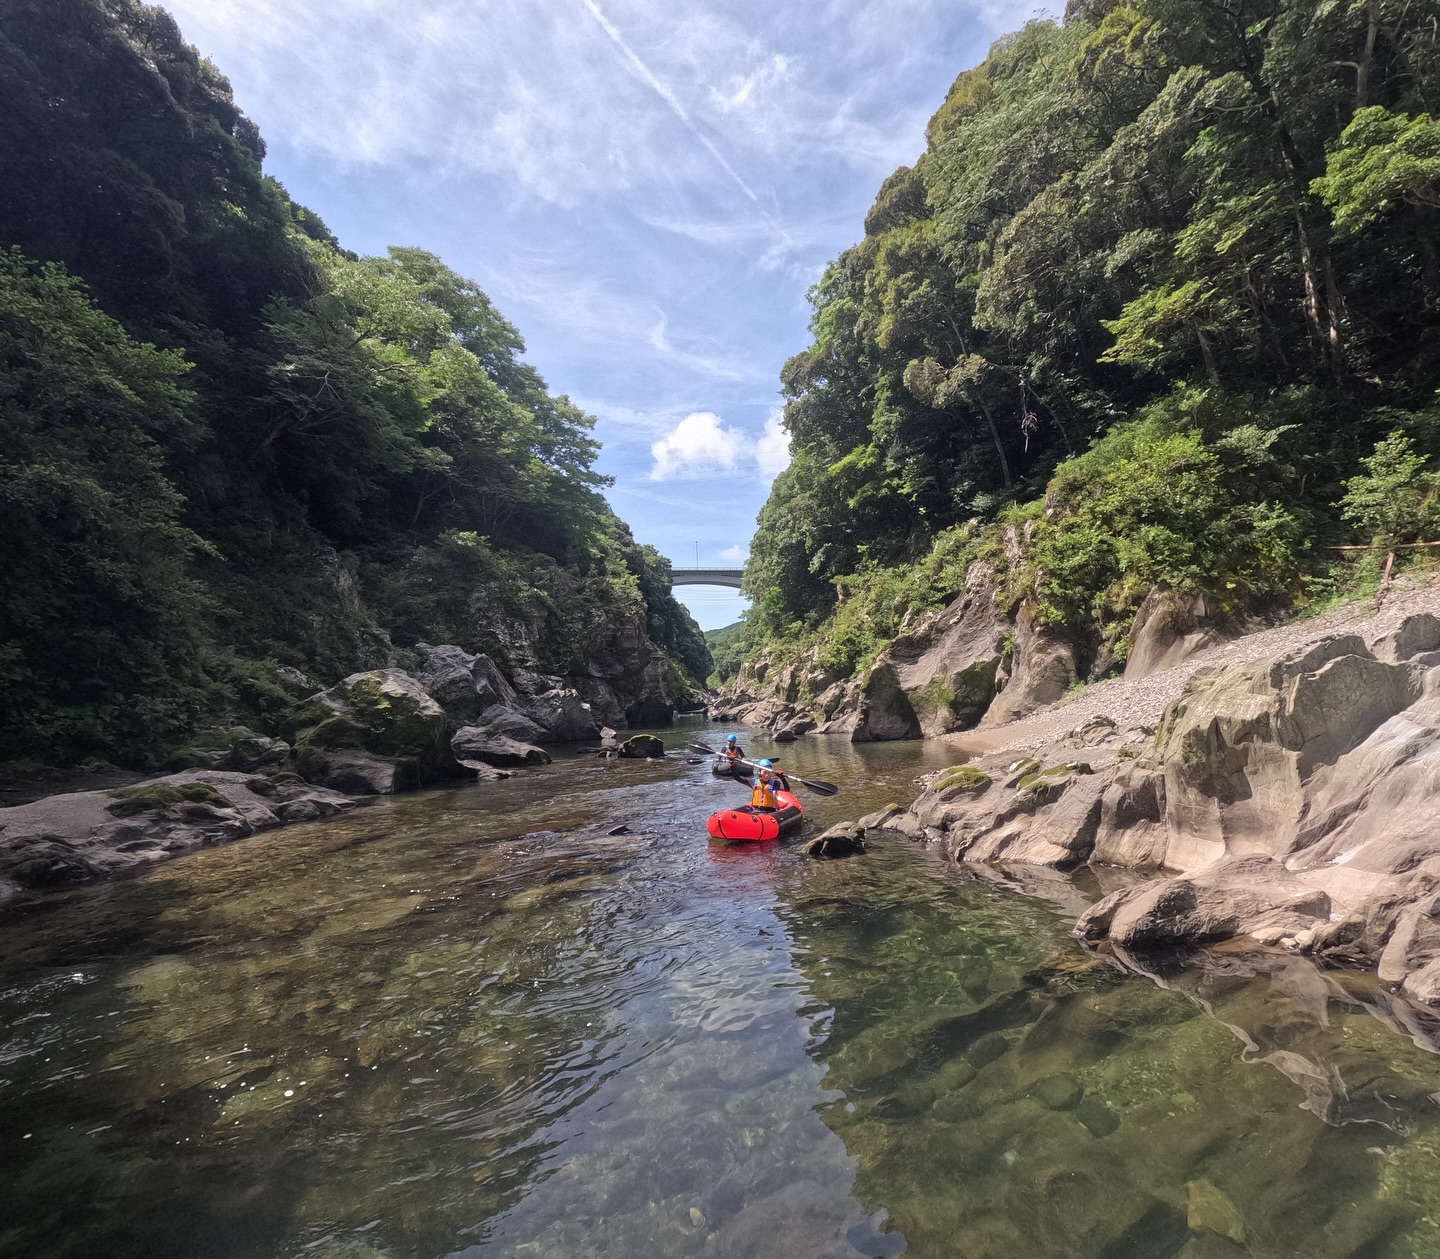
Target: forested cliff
1158, 309
236, 453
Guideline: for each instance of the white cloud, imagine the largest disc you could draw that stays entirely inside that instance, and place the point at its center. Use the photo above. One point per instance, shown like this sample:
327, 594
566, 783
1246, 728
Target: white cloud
703, 445
772, 452
735, 555
699, 444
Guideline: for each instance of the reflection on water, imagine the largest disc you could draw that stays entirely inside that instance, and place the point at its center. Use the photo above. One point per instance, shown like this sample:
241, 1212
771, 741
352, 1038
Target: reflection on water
471, 1023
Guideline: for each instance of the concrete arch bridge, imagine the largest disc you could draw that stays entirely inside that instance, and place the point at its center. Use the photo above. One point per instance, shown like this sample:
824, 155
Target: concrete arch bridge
730, 577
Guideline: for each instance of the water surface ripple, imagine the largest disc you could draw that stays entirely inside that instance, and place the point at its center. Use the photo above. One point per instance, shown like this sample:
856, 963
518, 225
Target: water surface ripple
470, 1023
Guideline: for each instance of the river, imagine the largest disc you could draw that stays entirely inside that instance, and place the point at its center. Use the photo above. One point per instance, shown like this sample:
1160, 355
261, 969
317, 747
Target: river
471, 1023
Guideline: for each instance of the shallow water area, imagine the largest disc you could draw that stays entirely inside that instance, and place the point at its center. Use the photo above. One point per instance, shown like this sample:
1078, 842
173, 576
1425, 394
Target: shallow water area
470, 1022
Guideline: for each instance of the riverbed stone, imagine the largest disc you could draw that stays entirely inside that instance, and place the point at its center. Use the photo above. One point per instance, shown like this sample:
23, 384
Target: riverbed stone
1209, 1209
986, 1049
1058, 1092
1098, 1119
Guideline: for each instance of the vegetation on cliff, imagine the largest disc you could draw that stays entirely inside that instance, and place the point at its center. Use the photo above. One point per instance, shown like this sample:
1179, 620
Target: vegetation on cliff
1157, 307
231, 446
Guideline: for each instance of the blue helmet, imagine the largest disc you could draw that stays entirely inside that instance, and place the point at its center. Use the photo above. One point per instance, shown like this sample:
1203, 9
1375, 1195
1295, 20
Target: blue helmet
765, 764
730, 738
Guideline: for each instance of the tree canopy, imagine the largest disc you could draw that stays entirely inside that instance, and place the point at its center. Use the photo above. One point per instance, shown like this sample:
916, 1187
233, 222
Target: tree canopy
1219, 215
230, 444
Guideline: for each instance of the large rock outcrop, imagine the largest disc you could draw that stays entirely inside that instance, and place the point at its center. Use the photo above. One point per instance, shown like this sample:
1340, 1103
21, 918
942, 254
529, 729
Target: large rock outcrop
970, 663
1040, 671
1169, 628
367, 722
1291, 801
67, 839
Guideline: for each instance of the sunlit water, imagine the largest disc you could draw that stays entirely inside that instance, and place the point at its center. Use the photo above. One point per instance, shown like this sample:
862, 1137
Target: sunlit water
470, 1023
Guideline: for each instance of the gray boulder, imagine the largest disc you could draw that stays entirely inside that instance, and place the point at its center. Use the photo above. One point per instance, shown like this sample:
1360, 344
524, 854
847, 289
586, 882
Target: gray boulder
512, 724
844, 839
474, 743
561, 714
462, 684
384, 713
359, 773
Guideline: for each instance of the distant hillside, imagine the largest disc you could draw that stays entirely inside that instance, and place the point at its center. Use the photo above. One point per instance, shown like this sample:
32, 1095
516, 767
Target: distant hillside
729, 647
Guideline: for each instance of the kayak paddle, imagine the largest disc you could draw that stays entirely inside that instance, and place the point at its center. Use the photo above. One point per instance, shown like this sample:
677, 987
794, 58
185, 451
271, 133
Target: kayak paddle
818, 785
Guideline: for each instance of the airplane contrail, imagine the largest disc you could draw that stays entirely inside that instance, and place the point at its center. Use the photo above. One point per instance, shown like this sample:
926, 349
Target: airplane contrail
665, 94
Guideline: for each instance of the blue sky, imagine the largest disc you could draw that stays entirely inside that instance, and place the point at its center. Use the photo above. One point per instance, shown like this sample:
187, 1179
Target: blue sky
646, 188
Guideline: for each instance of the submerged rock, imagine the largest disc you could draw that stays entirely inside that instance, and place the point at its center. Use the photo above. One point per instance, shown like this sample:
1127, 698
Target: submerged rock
844, 839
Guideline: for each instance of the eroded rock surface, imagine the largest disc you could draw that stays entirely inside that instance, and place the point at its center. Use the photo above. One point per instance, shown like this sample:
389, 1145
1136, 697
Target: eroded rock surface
67, 839
1291, 801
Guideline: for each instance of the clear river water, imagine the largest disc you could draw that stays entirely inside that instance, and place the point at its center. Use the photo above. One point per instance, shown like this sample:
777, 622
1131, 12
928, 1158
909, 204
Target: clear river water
468, 1023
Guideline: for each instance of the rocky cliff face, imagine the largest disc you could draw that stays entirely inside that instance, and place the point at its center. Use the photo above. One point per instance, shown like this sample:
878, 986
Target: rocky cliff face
975, 662
1291, 801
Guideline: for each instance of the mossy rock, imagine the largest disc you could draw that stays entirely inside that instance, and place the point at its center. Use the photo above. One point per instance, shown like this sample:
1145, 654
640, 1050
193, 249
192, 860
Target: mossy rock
384, 712
963, 778
152, 797
1051, 775
641, 747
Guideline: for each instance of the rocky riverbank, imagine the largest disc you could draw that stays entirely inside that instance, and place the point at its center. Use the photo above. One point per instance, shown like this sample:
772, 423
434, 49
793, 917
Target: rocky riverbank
374, 733
1285, 799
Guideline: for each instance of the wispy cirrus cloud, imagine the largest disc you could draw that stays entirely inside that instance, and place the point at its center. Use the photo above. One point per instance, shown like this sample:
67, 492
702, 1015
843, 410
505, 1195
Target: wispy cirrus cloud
645, 187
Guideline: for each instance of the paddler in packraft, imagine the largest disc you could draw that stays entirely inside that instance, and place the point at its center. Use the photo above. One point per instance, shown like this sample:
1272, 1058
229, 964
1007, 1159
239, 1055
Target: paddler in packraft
733, 749
764, 786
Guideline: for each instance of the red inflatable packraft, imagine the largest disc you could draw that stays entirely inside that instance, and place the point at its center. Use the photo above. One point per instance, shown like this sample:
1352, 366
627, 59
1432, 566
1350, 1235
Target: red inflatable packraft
757, 824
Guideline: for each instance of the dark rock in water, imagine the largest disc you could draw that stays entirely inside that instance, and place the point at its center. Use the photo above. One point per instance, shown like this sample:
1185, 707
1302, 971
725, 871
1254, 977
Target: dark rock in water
1058, 1092
472, 743
784, 736
985, 1050
640, 747
845, 839
1097, 1117
622, 829
359, 774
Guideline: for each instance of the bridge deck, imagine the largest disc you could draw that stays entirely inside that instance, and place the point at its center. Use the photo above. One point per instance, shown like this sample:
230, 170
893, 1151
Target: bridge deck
731, 577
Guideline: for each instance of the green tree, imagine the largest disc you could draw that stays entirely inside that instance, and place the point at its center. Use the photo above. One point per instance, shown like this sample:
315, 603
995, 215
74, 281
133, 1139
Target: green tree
101, 628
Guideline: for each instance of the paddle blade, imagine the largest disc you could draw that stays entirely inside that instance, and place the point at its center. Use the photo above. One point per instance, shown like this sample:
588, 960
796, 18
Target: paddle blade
818, 785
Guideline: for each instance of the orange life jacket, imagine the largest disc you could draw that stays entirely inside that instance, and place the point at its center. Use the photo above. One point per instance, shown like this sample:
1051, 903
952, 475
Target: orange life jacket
763, 795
